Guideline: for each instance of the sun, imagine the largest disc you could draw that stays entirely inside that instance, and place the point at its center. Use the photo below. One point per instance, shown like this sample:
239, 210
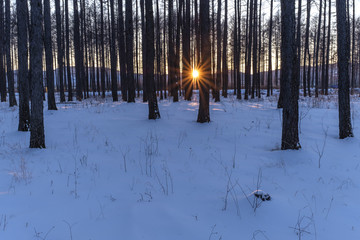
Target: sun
195, 73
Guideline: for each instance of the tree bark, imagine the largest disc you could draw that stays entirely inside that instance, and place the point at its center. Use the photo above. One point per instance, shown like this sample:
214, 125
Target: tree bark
60, 53
270, 74
49, 57
37, 135
317, 52
290, 133
78, 55
224, 61
129, 51
10, 72
345, 128
68, 70
2, 69
205, 62
306, 50
113, 54
24, 111
149, 67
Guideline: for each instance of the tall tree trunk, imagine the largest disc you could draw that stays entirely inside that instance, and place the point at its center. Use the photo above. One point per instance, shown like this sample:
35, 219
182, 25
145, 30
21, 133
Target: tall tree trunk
317, 52
122, 53
270, 74
143, 32
298, 49
171, 65
60, 53
113, 54
149, 66
323, 50
158, 51
49, 57
68, 70
343, 36
102, 46
255, 52
2, 71
10, 72
137, 48
328, 53
78, 55
37, 136
249, 38
24, 111
187, 78
205, 62
290, 133
238, 74
177, 52
306, 50
129, 51
225, 65
218, 61
353, 50
164, 41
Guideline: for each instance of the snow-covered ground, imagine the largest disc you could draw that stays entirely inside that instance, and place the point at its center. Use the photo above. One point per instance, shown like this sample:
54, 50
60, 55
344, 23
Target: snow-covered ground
108, 173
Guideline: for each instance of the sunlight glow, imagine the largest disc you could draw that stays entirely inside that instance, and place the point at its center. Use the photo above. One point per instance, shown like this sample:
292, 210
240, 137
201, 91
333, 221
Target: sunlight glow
195, 73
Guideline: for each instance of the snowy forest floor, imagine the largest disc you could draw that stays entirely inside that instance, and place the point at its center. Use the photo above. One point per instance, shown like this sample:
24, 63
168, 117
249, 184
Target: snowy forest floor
108, 173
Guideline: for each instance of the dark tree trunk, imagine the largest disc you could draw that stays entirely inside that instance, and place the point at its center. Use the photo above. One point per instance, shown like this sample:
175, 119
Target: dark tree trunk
49, 57
113, 54
78, 55
102, 46
158, 51
68, 70
197, 33
164, 41
129, 51
255, 52
171, 65
317, 52
97, 49
10, 72
328, 53
2, 69
149, 66
323, 50
238, 72
60, 53
290, 133
143, 32
187, 78
298, 49
122, 53
270, 74
177, 53
353, 80
37, 135
249, 38
235, 47
24, 111
345, 128
306, 50
205, 62
218, 62
224, 61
